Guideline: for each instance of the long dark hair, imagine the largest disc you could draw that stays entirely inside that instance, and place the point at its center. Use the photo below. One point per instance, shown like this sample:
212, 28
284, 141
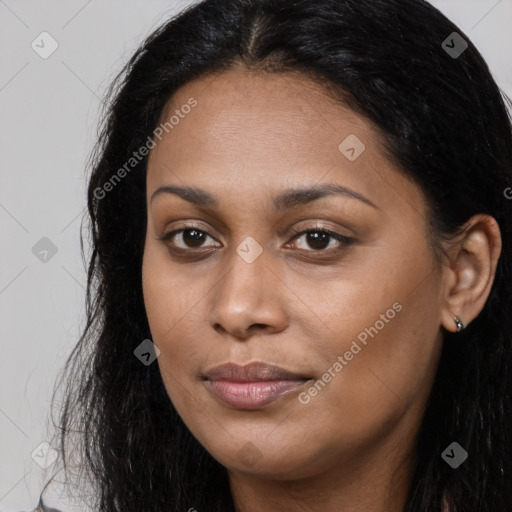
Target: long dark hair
444, 123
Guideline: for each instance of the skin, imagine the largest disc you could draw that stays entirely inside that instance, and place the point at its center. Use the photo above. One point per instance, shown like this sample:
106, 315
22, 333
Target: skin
301, 305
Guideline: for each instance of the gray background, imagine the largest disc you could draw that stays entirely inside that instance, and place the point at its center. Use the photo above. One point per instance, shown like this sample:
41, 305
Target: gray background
49, 112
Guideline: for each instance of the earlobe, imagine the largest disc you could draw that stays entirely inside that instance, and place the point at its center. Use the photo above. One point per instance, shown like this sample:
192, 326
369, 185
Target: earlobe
458, 323
453, 323
473, 261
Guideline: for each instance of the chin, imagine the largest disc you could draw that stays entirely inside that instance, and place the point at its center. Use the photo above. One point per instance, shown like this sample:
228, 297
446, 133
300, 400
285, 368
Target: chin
276, 462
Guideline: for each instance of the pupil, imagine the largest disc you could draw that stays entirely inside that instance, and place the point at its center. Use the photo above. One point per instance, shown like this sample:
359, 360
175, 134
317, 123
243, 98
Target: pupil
316, 237
192, 236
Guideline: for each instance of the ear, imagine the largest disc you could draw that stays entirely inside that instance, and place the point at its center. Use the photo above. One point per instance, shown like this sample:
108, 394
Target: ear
470, 273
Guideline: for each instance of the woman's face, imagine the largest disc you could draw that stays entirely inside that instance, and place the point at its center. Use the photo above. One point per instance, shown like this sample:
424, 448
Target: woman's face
245, 170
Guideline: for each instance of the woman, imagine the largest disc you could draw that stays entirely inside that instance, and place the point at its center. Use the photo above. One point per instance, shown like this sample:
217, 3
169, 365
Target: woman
300, 278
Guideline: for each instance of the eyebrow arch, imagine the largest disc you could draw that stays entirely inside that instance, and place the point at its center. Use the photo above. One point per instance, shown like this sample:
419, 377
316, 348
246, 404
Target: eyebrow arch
290, 198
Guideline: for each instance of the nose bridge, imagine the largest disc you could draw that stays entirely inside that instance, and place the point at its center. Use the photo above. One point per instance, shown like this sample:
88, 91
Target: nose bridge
246, 278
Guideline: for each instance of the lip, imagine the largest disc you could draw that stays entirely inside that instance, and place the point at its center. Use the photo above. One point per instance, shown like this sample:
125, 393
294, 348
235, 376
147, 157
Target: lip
252, 386
251, 372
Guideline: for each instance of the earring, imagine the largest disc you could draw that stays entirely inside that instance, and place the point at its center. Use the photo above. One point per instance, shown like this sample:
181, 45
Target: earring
458, 323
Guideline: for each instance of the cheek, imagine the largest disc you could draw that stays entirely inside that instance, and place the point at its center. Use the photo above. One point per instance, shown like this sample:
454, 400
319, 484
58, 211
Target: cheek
171, 299
175, 315
389, 354
383, 313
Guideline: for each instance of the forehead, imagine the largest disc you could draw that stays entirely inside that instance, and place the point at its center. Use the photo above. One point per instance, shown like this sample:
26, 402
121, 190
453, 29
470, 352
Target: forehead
241, 113
252, 132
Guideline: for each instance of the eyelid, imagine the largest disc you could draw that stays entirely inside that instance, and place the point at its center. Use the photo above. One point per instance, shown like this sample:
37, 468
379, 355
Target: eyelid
317, 225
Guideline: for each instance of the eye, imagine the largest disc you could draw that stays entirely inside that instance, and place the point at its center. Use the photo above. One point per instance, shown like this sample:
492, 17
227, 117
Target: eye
319, 239
189, 238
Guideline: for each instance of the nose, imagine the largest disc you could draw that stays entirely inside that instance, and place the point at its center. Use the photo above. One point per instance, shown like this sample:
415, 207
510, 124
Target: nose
249, 299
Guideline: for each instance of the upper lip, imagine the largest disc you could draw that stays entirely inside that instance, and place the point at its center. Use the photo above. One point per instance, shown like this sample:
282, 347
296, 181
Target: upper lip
251, 372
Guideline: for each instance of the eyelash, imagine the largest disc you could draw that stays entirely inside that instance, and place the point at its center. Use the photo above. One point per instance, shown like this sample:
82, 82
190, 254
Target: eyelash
344, 240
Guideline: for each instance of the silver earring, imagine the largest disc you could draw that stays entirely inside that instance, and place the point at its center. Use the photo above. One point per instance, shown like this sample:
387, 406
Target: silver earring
458, 323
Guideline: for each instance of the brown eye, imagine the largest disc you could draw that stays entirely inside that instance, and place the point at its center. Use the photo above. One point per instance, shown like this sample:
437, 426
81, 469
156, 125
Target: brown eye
193, 237
315, 239
319, 239
186, 238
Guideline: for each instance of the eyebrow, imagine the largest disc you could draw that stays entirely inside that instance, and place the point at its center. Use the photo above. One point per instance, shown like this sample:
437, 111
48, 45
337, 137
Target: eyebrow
290, 198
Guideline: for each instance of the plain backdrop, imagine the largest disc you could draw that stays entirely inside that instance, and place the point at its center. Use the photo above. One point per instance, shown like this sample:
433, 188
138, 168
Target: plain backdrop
49, 113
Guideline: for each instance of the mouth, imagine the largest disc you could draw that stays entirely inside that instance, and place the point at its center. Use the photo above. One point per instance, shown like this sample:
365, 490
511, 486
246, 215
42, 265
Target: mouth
252, 386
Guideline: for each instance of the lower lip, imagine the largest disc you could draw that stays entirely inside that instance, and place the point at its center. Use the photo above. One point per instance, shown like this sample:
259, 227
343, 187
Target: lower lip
252, 395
